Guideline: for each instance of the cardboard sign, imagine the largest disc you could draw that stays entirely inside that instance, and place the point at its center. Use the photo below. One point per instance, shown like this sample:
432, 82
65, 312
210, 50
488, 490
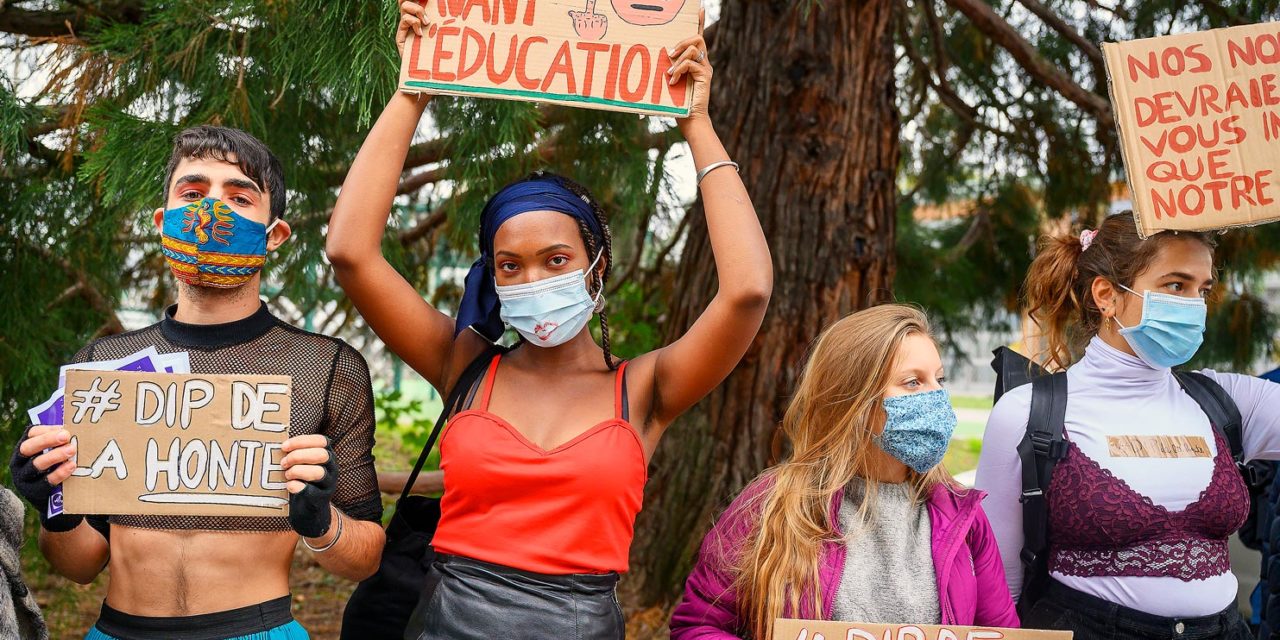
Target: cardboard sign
606, 54
1199, 119
176, 444
786, 629
1158, 447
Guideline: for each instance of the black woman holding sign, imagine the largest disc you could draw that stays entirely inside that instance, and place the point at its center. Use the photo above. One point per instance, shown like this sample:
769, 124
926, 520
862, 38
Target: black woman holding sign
1144, 489
544, 469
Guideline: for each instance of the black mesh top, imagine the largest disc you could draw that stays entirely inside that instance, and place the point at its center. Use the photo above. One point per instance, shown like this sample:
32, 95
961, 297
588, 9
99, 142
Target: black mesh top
332, 395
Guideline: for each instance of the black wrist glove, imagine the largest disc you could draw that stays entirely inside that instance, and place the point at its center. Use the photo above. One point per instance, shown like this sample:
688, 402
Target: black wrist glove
33, 485
309, 509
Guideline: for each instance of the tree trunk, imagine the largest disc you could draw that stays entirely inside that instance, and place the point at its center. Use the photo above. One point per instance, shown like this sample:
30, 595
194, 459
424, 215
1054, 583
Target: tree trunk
805, 102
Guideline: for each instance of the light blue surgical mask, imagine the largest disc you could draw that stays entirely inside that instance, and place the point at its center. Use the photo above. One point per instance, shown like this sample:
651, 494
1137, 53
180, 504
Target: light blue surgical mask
1171, 330
918, 428
551, 311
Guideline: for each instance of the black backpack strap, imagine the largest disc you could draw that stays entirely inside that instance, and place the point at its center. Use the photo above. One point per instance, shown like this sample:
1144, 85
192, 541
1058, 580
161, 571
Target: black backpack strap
457, 395
1041, 448
1223, 414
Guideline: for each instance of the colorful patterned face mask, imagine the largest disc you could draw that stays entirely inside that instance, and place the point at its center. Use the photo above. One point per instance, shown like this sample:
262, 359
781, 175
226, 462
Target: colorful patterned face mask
208, 245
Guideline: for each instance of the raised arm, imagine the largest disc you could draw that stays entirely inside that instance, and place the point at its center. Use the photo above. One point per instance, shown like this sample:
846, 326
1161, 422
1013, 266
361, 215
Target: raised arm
416, 331
689, 368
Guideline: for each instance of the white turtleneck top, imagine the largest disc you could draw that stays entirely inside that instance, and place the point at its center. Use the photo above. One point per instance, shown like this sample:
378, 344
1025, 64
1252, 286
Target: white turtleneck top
1111, 393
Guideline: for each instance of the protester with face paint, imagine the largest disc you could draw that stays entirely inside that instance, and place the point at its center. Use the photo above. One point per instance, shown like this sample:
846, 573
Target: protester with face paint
224, 577
545, 469
861, 523
1137, 534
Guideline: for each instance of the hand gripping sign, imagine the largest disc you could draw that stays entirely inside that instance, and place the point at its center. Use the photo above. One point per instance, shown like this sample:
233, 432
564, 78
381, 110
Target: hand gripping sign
787, 629
1199, 120
176, 444
595, 54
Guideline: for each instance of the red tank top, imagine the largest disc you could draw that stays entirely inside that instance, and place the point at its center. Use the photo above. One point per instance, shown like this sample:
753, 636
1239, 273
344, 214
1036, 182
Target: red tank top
568, 510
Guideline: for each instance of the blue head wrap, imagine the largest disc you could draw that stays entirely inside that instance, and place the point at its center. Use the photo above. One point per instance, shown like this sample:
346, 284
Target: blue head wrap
479, 306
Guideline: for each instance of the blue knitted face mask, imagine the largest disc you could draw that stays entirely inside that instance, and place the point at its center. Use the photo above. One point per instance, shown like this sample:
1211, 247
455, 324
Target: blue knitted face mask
918, 428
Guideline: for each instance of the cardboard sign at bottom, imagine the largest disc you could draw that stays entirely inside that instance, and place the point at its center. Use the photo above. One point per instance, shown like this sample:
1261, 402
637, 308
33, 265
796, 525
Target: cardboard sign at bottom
789, 629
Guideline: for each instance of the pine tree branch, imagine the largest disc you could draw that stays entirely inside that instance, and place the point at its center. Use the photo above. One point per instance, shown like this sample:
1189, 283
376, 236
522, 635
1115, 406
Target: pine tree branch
1117, 11
1056, 23
647, 276
420, 180
431, 222
935, 78
642, 226
1216, 8
39, 24
981, 15
660, 141
57, 120
964, 135
433, 152
51, 24
81, 284
978, 225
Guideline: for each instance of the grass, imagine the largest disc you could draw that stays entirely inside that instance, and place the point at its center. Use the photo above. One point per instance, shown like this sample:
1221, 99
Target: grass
318, 596
971, 402
962, 455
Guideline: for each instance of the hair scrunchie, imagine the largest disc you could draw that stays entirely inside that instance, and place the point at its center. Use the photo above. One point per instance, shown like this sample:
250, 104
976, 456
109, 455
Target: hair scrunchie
1086, 238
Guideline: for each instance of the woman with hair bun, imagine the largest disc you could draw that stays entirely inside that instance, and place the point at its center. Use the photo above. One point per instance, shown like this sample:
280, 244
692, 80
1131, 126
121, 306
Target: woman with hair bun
1146, 492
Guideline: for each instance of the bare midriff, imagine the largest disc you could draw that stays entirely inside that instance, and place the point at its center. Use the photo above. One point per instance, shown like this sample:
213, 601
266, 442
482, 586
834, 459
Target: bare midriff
167, 573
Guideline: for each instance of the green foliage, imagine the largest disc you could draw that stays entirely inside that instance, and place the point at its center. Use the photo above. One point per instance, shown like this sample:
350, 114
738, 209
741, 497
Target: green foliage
404, 419
1012, 157
1234, 315
81, 160
966, 270
962, 455
632, 316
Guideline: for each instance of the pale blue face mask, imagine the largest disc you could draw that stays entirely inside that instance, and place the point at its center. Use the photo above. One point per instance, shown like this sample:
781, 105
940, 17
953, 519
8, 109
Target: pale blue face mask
551, 311
918, 428
1171, 330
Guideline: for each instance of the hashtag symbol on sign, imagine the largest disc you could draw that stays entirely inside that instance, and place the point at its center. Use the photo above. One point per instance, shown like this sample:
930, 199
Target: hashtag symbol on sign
96, 401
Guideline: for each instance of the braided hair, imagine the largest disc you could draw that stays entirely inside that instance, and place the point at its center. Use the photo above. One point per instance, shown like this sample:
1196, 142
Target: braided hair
597, 284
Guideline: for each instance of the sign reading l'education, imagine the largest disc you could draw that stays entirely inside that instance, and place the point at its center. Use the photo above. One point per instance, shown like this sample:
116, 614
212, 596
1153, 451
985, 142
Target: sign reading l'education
607, 54
1199, 120
788, 629
176, 444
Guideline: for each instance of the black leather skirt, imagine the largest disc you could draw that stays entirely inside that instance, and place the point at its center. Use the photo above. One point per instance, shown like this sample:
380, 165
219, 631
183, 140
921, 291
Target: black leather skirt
467, 598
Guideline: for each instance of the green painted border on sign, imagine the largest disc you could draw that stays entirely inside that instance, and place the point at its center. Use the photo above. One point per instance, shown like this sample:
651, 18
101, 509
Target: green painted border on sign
538, 95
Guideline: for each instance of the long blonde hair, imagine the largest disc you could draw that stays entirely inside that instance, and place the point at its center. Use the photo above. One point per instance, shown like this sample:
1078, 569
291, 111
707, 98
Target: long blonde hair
829, 424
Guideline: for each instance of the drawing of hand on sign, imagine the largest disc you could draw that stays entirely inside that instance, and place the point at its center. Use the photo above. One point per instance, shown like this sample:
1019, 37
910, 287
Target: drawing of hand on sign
647, 12
588, 24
